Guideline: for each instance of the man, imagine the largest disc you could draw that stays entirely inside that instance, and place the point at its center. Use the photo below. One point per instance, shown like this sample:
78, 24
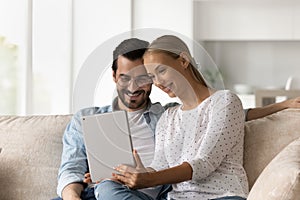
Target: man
259, 112
134, 88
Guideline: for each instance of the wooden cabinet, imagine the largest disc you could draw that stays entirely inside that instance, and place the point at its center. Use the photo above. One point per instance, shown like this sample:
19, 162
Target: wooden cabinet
246, 20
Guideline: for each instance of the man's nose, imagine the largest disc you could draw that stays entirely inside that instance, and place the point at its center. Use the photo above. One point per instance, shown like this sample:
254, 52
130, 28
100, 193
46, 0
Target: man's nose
132, 86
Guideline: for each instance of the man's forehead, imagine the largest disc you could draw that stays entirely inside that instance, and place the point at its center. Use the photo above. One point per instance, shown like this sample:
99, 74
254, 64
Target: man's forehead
133, 70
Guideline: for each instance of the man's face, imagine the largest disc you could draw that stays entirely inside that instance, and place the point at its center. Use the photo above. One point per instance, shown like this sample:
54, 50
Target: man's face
133, 84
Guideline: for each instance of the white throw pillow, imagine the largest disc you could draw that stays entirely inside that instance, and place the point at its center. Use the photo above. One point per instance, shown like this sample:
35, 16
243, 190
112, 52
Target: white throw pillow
280, 180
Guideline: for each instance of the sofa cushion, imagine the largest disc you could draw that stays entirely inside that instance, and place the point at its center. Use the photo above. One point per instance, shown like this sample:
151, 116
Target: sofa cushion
30, 157
280, 180
266, 137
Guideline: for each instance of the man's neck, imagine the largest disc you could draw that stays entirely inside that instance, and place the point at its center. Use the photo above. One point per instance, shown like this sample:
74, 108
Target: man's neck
121, 106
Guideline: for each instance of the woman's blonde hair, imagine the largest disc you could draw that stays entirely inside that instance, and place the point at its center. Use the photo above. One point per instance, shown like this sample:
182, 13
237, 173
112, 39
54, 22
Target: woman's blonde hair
174, 46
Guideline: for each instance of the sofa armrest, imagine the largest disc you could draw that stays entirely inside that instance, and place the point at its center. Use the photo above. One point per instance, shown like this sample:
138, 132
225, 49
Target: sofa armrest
280, 180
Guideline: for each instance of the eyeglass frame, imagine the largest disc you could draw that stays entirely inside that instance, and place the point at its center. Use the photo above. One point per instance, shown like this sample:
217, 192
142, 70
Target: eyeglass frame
135, 79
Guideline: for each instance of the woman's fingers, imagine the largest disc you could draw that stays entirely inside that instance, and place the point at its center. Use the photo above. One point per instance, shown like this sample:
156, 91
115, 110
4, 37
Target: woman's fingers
139, 164
125, 179
124, 168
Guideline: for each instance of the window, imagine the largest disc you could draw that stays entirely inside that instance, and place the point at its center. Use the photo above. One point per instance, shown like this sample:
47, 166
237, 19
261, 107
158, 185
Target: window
35, 52
12, 55
43, 46
8, 76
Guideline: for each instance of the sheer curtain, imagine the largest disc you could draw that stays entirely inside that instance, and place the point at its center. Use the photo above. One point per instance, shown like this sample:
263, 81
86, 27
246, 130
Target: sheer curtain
35, 56
13, 18
43, 44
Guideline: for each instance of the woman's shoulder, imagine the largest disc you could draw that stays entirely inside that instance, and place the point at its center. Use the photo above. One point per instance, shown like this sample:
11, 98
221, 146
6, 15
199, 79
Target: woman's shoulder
225, 95
172, 110
225, 98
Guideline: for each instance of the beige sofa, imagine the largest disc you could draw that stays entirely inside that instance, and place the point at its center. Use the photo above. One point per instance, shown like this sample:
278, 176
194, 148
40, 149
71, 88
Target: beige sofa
31, 151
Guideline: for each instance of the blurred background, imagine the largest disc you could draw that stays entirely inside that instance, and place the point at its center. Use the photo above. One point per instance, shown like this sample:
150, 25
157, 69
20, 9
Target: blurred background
43, 44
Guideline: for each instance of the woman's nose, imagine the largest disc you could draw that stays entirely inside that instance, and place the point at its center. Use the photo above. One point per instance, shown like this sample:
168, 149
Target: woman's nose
158, 80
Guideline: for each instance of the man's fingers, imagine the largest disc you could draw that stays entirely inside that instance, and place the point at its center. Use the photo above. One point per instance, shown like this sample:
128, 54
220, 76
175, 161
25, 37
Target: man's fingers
87, 180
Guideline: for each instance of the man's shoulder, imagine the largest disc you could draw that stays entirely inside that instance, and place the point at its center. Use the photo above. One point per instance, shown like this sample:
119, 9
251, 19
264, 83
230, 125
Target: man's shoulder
94, 110
158, 108
170, 105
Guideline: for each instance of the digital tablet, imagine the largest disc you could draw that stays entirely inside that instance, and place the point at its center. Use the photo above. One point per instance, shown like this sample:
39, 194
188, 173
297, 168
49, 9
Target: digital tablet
108, 143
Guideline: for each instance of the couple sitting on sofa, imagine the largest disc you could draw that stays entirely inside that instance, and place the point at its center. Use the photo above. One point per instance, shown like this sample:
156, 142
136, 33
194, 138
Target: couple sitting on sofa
198, 145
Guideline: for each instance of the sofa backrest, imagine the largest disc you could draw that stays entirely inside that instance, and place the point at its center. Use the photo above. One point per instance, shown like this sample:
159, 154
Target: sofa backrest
30, 157
266, 137
32, 146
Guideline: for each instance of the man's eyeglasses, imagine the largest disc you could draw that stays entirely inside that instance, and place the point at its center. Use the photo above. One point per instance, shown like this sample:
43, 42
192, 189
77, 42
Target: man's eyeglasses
140, 81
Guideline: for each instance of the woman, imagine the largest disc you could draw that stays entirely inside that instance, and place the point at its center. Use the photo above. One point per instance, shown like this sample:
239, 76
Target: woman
199, 144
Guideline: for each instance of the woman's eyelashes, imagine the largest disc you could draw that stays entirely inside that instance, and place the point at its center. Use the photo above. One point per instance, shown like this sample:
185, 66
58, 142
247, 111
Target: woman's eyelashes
161, 70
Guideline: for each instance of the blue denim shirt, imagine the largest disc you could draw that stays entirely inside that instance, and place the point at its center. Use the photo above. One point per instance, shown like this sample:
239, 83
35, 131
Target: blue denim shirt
74, 159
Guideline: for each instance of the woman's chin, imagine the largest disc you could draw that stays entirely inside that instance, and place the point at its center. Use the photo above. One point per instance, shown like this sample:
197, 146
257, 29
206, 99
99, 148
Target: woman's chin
171, 94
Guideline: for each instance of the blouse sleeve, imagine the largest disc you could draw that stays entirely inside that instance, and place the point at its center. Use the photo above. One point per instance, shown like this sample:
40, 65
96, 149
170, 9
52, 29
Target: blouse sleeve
225, 129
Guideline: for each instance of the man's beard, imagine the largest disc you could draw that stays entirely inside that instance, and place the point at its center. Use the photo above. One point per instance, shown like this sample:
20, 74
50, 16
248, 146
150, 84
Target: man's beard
133, 104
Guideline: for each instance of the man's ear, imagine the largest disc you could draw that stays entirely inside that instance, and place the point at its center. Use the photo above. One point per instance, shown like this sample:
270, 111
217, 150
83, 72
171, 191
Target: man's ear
114, 76
185, 60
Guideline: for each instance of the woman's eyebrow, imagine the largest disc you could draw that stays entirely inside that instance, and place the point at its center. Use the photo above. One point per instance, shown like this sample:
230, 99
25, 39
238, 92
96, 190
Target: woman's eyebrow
158, 67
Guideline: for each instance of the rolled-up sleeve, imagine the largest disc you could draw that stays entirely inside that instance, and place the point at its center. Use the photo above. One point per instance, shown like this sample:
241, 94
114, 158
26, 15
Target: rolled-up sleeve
74, 159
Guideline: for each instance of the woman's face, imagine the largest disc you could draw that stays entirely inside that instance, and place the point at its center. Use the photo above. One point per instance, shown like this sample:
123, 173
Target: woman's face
166, 72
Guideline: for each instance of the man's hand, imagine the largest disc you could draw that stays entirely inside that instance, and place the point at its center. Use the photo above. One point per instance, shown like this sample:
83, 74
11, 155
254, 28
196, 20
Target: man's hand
87, 178
292, 103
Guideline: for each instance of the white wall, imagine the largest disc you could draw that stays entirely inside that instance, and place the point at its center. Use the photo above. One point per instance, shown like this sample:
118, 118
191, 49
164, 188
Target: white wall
95, 22
254, 42
262, 64
246, 20
102, 25
174, 15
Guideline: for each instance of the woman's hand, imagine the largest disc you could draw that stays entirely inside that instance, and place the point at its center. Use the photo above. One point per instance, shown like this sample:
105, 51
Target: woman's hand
134, 178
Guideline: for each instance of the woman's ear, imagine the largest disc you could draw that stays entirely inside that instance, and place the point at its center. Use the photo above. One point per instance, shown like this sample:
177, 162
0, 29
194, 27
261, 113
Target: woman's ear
185, 60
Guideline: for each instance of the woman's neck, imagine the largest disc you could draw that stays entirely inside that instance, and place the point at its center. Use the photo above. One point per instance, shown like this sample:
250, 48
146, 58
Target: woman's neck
192, 98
